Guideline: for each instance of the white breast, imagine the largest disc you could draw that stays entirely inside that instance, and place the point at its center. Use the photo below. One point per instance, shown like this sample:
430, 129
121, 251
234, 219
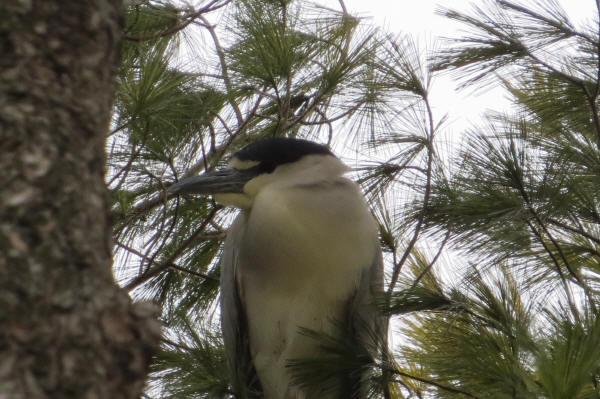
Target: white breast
307, 245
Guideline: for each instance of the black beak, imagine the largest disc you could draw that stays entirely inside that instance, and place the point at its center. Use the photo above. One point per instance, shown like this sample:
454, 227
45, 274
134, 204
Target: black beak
222, 181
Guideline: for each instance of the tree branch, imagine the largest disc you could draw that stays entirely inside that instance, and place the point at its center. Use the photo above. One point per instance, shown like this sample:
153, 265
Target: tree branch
162, 266
413, 241
224, 70
572, 229
188, 20
435, 384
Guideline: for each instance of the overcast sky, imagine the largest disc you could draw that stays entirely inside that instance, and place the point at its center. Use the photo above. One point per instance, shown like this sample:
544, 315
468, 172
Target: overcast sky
418, 18
465, 108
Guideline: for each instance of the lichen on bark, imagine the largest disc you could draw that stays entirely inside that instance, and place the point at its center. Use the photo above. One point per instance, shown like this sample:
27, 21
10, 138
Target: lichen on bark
68, 331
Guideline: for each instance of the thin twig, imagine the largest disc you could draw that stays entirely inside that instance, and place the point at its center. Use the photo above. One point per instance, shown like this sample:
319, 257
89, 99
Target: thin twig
224, 70
417, 231
426, 195
556, 24
162, 266
171, 266
188, 20
192, 272
433, 261
435, 384
574, 230
324, 120
558, 269
533, 212
169, 231
134, 154
118, 128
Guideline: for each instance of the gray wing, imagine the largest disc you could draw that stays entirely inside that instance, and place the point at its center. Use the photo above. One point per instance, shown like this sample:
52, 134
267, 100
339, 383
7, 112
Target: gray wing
234, 324
369, 293
368, 324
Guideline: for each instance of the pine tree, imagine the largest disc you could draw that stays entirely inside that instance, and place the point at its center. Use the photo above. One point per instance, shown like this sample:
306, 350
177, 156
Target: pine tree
519, 202
522, 201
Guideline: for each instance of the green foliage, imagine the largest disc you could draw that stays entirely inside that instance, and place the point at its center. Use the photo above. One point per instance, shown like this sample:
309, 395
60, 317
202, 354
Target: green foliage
343, 361
492, 253
568, 359
269, 48
193, 366
522, 203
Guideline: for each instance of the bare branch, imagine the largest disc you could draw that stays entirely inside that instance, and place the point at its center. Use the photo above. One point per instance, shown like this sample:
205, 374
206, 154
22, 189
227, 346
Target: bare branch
433, 261
576, 230
426, 195
223, 63
435, 384
168, 263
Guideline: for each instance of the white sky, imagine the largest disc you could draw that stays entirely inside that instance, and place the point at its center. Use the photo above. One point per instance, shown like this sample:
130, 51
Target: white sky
465, 108
418, 19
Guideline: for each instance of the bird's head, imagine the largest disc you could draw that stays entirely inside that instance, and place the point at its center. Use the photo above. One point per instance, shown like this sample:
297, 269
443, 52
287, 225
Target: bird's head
280, 161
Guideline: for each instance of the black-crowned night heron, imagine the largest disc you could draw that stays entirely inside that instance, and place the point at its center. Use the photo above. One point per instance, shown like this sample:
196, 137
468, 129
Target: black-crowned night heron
303, 252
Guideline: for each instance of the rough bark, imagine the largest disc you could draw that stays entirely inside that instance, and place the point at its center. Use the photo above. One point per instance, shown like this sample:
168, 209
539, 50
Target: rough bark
66, 329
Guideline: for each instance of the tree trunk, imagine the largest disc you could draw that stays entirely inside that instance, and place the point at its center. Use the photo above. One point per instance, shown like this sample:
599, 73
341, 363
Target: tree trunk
66, 329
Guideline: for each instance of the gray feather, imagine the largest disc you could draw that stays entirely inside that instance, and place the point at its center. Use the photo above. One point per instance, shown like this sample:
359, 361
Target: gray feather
244, 380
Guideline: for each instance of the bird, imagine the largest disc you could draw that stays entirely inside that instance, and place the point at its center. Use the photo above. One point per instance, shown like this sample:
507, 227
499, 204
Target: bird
303, 254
